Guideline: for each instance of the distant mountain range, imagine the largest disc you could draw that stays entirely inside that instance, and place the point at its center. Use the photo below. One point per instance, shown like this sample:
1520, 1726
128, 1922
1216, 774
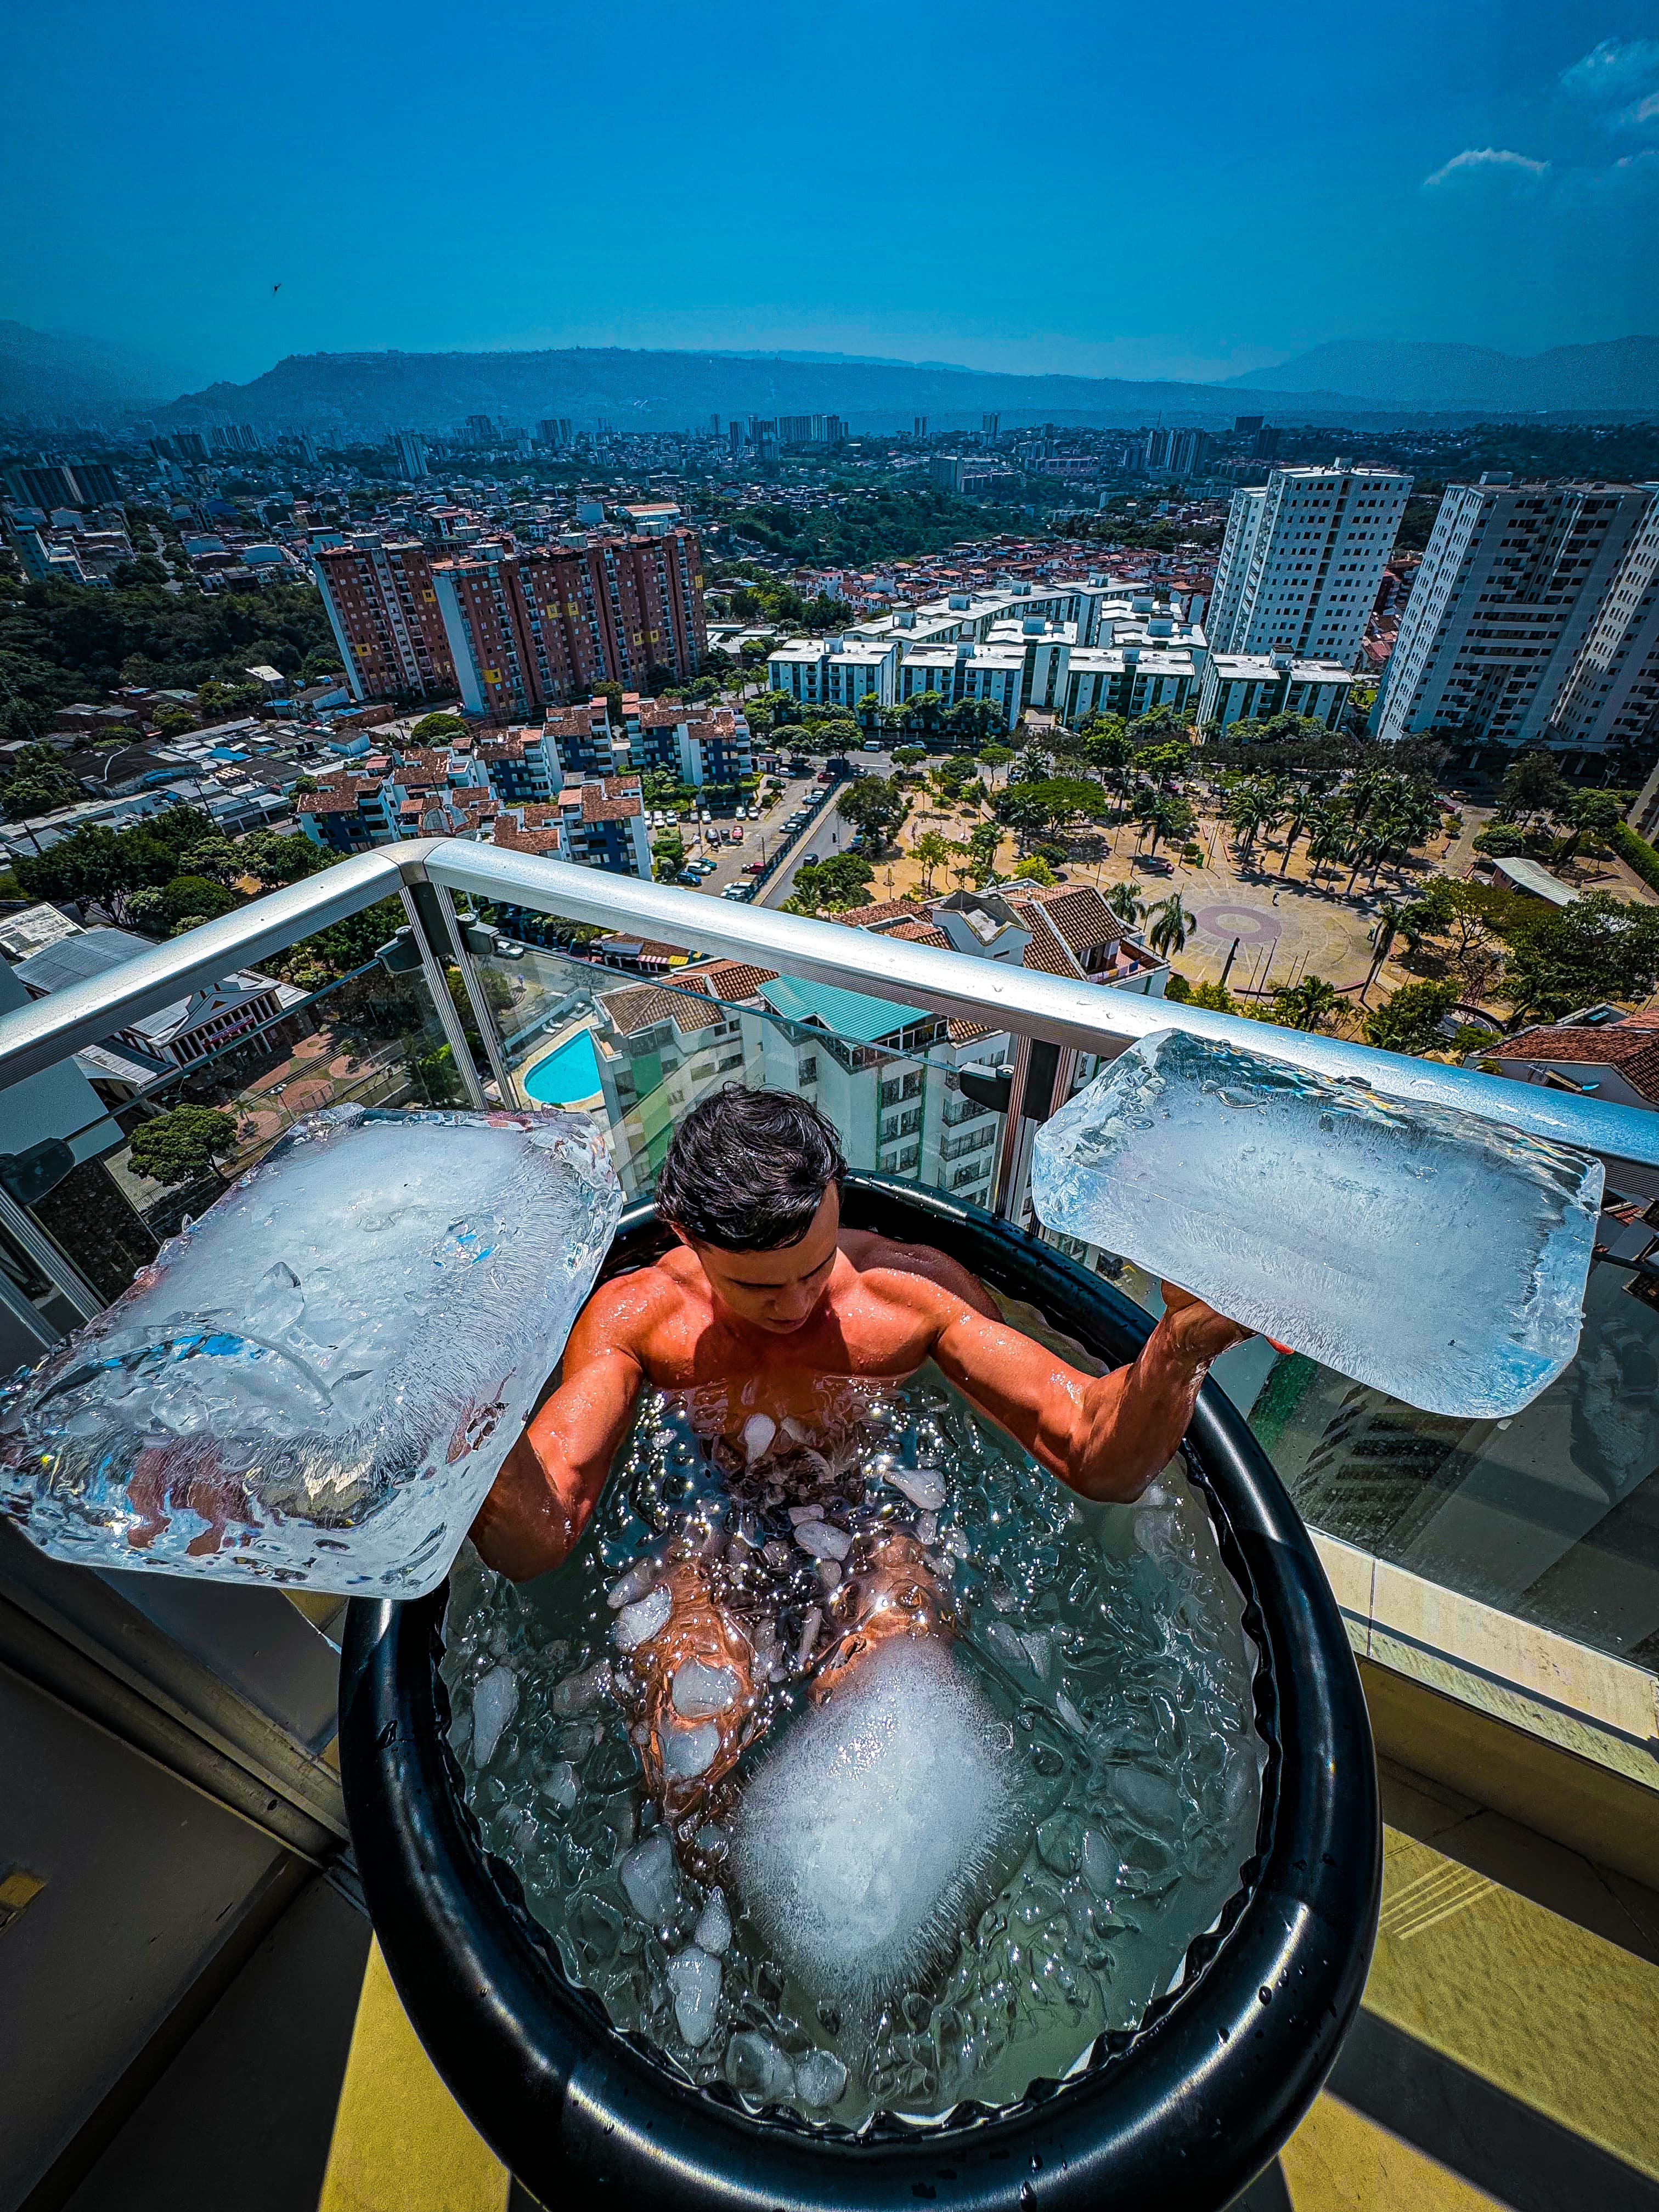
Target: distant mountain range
54, 376
47, 378
1617, 374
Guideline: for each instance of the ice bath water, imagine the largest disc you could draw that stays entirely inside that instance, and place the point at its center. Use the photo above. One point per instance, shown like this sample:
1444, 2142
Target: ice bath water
943, 1883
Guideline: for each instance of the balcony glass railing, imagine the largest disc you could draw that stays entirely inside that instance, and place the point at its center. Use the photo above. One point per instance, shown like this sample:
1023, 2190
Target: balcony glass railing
1454, 1547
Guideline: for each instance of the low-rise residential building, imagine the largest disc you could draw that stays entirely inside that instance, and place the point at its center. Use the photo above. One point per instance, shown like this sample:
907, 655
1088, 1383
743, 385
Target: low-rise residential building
1244, 687
1599, 1052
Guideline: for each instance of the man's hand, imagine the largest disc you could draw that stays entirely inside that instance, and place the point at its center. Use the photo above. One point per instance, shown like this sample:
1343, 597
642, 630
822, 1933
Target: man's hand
1198, 1330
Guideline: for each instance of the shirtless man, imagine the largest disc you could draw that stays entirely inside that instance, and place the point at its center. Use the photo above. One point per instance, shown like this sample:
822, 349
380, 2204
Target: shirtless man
765, 1303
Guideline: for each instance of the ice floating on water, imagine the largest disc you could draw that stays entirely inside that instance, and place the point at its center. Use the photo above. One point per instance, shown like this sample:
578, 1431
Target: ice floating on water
318, 1381
757, 2070
820, 1541
868, 1837
923, 1485
820, 2077
494, 1703
701, 1691
649, 1882
694, 1979
690, 1750
713, 1932
1435, 1256
637, 1623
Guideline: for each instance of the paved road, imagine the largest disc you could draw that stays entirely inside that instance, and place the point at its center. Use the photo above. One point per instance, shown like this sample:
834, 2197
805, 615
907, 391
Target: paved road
827, 833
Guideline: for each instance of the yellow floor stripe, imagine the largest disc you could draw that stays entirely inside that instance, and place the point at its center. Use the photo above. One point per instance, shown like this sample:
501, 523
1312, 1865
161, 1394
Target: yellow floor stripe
401, 2142
1339, 2161
1560, 2018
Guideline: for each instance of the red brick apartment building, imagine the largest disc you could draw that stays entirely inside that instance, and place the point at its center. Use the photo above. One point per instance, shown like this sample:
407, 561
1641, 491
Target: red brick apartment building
519, 630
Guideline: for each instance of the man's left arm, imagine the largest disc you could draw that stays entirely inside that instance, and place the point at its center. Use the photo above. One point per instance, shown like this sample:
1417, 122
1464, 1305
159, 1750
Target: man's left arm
1108, 1436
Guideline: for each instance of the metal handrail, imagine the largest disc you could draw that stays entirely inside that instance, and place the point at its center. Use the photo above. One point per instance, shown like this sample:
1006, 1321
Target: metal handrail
1091, 1017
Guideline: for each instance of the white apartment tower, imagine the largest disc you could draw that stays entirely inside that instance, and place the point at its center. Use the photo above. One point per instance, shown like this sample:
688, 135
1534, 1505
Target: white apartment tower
1611, 698
1303, 561
1513, 580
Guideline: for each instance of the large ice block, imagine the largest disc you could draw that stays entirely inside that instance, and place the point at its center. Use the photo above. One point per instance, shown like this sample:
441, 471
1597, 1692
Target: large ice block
318, 1382
1430, 1252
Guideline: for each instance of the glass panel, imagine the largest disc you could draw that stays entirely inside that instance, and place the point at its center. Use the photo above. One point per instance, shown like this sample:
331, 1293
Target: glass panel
643, 1049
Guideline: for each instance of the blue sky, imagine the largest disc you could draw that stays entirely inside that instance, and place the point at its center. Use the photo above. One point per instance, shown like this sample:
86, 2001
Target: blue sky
1189, 192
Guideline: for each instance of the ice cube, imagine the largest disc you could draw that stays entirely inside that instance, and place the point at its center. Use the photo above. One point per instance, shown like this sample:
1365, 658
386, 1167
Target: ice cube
562, 1784
694, 1979
638, 1623
318, 1379
820, 1541
875, 1826
690, 1749
494, 1703
1438, 1256
923, 1485
820, 2077
649, 1882
714, 1930
633, 1584
700, 1690
757, 2070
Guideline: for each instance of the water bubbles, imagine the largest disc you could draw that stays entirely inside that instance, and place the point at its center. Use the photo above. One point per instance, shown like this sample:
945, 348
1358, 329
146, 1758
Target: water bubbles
1102, 1699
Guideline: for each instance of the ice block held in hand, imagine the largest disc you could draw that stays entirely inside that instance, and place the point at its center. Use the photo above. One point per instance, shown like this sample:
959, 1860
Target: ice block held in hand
1430, 1252
317, 1383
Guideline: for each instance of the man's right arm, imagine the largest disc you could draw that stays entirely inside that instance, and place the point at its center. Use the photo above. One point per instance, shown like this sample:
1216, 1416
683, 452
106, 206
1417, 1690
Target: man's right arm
550, 1480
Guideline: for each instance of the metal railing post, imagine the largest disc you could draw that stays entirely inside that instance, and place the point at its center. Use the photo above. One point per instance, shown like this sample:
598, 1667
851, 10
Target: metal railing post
475, 992
421, 906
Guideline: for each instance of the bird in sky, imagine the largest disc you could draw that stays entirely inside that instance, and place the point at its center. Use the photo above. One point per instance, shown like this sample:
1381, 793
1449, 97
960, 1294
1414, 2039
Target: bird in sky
276, 287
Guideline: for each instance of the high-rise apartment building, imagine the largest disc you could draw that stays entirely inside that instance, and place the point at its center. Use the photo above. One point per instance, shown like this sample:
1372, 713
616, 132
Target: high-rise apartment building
554, 430
411, 457
1511, 582
383, 607
1303, 560
1610, 699
533, 629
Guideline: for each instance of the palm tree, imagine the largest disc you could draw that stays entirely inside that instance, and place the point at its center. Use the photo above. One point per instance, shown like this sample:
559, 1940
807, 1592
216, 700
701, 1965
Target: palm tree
1388, 928
1307, 1004
1301, 811
1172, 926
1126, 905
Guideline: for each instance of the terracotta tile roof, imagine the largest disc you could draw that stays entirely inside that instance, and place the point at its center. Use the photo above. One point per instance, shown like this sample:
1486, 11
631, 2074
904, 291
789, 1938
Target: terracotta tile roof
1631, 1046
341, 798
573, 722
525, 841
728, 979
1048, 952
919, 933
884, 911
1080, 914
966, 1032
534, 815
642, 1006
659, 715
611, 801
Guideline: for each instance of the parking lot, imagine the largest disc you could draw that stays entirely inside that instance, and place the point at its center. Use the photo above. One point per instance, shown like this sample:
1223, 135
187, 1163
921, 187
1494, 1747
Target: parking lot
762, 835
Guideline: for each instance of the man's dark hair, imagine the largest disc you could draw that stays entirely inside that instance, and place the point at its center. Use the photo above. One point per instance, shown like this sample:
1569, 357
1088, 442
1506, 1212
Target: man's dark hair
747, 1168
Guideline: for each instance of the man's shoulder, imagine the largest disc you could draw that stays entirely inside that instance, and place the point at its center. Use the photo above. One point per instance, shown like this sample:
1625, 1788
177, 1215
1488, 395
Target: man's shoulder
913, 1274
626, 1310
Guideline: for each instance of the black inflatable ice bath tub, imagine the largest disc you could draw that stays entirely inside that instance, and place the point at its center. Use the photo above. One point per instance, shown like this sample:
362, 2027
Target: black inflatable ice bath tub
1181, 2114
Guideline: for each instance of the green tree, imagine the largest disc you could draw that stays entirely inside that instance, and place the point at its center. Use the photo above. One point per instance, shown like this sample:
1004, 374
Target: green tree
1162, 814
876, 805
1307, 1004
1532, 785
441, 729
1409, 1019
932, 850
273, 859
1126, 903
1172, 926
1590, 814
1036, 870
105, 866
1563, 958
831, 885
39, 784
182, 1146
216, 857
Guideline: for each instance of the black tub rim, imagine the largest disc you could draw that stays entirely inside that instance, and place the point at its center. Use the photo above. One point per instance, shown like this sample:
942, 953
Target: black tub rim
1193, 2104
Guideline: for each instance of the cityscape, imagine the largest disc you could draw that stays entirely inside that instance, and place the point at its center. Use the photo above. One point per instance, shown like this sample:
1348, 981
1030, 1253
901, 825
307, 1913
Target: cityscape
747, 572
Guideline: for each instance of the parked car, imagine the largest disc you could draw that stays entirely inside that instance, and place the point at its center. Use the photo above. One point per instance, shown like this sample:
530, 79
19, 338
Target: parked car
754, 868
736, 891
690, 876
872, 744
734, 836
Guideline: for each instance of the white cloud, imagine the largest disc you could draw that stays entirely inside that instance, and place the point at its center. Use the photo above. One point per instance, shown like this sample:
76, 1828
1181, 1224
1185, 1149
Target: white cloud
1476, 161
1640, 111
1613, 69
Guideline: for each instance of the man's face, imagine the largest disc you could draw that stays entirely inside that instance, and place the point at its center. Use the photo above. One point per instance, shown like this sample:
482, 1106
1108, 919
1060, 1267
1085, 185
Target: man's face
779, 1292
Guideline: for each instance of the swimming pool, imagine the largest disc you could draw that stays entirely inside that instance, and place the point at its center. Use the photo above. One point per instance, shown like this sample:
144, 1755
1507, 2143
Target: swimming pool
570, 1074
